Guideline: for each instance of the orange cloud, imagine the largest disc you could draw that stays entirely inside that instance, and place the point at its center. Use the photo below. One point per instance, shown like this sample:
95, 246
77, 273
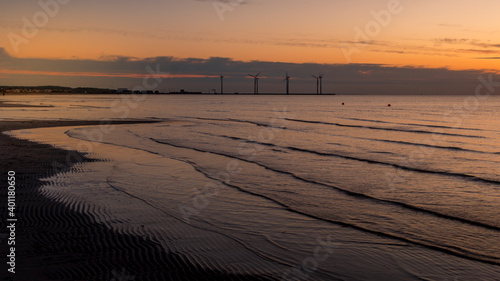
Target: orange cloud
100, 74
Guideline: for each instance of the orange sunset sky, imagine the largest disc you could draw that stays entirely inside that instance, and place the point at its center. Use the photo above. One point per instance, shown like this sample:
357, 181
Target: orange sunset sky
84, 43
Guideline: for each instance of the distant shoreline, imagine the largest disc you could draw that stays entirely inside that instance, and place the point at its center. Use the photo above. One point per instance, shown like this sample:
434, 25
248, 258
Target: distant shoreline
174, 94
225, 94
58, 90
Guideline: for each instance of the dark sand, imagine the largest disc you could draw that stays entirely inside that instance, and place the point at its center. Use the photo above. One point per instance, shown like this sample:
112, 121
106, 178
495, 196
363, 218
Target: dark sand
54, 242
9, 104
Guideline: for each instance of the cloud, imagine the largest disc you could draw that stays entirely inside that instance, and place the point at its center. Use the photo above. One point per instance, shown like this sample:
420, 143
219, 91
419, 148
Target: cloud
451, 40
486, 45
99, 30
449, 25
464, 41
202, 74
103, 74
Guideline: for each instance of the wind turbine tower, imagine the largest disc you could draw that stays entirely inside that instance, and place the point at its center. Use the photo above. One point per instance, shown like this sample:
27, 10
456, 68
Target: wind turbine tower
319, 84
221, 85
287, 79
255, 83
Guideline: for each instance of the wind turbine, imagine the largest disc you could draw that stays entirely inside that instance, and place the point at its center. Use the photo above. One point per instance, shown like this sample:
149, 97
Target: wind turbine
319, 84
287, 79
221, 85
255, 83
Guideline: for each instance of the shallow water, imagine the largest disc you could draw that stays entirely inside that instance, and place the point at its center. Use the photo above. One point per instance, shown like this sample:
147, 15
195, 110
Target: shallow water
412, 188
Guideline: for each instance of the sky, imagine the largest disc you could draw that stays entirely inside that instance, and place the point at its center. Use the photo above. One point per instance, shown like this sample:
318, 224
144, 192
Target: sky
361, 46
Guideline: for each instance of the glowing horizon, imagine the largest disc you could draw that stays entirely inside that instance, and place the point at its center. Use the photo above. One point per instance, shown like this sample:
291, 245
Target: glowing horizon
403, 33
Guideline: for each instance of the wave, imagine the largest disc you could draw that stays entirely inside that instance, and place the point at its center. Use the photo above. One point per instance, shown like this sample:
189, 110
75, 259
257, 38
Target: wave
414, 124
207, 265
383, 128
431, 146
370, 161
357, 194
422, 241
453, 250
355, 126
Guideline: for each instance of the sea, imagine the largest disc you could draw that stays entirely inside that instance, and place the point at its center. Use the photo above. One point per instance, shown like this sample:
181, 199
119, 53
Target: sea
344, 187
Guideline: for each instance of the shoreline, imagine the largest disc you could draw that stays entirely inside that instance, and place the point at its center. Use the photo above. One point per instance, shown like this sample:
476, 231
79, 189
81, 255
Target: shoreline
8, 104
173, 94
54, 242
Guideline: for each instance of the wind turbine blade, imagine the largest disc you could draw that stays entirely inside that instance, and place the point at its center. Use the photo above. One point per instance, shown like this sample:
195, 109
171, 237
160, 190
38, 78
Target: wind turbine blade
258, 74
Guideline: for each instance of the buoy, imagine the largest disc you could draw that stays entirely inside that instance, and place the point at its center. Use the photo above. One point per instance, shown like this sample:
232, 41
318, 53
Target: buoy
342, 103
389, 105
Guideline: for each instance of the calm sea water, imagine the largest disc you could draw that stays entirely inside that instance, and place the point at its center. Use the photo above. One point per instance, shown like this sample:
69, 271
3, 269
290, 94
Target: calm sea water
300, 187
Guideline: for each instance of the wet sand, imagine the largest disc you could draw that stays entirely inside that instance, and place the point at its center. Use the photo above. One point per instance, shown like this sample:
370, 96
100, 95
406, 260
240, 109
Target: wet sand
10, 104
54, 242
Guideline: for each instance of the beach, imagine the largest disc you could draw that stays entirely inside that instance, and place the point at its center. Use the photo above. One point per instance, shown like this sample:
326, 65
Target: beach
238, 188
250, 140
54, 242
